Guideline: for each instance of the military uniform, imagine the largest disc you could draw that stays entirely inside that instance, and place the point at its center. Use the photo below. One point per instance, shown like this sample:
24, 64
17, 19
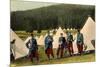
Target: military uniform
80, 42
49, 46
70, 43
12, 50
33, 49
61, 46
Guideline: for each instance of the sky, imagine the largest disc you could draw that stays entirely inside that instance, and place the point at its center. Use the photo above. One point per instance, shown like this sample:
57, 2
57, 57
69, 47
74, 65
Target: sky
26, 5
21, 5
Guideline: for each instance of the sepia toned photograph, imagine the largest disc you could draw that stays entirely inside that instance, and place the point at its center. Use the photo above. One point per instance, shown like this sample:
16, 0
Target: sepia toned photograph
45, 33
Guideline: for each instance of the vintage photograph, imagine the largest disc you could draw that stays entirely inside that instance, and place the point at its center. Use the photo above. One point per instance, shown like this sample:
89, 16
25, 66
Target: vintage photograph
45, 33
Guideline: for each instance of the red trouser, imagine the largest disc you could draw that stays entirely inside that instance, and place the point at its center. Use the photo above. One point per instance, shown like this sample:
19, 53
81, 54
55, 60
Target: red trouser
34, 54
60, 51
70, 48
80, 48
49, 51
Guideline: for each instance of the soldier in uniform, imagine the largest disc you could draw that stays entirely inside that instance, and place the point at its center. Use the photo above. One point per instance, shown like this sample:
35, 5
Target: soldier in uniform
61, 46
49, 46
12, 50
70, 43
80, 42
33, 48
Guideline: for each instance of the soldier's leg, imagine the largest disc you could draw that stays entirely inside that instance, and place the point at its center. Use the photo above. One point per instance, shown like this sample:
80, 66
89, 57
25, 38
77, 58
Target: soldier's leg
69, 48
58, 51
61, 52
81, 49
12, 58
78, 46
31, 57
52, 54
48, 53
37, 55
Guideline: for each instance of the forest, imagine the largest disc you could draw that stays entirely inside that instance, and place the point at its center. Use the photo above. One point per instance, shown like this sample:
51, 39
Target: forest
51, 17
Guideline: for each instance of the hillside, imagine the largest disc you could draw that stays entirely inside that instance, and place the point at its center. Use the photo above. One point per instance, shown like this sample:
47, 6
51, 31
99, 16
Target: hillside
64, 15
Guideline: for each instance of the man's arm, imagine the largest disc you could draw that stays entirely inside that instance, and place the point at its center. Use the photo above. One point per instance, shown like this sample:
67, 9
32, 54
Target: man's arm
83, 39
59, 39
27, 44
72, 37
36, 44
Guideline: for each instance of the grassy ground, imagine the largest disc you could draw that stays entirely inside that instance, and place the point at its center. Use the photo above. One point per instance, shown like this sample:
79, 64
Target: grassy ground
44, 60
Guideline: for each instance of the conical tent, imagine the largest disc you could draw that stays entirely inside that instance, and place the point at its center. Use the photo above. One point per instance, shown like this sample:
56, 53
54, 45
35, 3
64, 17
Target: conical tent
68, 29
20, 48
56, 37
40, 40
88, 31
45, 35
36, 37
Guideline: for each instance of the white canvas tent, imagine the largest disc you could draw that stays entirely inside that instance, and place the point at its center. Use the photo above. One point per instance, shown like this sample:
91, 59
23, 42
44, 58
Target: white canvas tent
36, 37
40, 40
56, 37
20, 49
68, 29
88, 31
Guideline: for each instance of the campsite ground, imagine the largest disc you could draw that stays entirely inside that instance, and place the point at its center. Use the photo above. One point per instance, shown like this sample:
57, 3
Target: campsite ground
44, 60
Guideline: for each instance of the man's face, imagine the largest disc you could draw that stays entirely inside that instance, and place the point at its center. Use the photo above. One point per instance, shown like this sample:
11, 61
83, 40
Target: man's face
48, 33
78, 31
61, 35
32, 35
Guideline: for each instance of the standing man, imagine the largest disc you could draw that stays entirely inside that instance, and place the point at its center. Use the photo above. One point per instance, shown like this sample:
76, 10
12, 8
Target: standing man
49, 46
12, 50
33, 48
60, 49
80, 42
70, 43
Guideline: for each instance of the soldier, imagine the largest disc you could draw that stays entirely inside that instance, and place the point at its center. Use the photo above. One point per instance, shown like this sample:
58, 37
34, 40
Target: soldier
49, 46
70, 43
12, 50
80, 42
33, 48
61, 47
